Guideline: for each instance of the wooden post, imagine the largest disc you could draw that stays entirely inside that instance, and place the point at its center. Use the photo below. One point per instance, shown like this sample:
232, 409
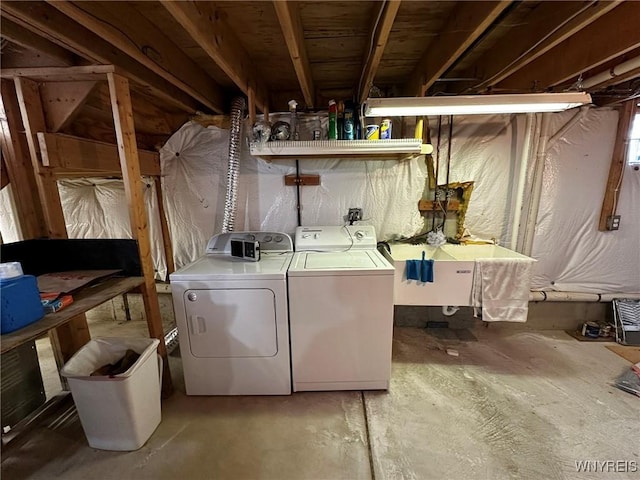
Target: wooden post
34, 122
616, 170
130, 164
164, 226
69, 338
16, 158
252, 106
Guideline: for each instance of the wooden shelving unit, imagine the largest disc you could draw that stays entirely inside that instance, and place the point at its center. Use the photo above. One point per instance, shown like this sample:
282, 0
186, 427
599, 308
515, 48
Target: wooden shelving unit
86, 299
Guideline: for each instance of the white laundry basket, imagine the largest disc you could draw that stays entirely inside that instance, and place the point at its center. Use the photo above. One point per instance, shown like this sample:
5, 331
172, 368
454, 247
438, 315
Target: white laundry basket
117, 412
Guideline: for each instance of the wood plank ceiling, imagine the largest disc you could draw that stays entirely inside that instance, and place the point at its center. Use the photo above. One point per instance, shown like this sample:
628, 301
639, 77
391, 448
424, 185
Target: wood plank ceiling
184, 57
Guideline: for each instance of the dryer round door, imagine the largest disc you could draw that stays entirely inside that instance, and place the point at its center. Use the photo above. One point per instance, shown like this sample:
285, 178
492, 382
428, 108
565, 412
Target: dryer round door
231, 323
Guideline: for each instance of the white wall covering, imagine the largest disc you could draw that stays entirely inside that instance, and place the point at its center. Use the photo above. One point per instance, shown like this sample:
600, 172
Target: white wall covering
97, 208
485, 149
194, 168
8, 225
572, 254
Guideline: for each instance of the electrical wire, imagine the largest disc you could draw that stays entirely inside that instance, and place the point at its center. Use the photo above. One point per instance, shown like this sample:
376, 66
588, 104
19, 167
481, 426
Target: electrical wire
533, 47
371, 41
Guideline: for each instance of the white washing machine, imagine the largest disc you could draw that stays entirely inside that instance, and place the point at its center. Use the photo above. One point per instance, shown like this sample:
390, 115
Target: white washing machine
232, 317
340, 310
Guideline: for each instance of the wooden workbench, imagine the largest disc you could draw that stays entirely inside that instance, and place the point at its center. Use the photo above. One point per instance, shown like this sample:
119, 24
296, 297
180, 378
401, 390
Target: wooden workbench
85, 299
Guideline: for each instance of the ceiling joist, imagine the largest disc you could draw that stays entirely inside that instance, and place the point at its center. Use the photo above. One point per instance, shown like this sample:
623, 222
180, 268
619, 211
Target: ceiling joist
25, 38
613, 35
554, 22
44, 20
380, 36
143, 41
464, 26
289, 19
206, 26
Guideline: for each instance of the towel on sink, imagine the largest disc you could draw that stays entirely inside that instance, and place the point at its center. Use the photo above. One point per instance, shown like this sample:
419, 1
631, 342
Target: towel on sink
501, 288
421, 270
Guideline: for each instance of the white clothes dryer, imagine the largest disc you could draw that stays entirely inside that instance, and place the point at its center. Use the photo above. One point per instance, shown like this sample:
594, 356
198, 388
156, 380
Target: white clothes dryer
232, 317
340, 310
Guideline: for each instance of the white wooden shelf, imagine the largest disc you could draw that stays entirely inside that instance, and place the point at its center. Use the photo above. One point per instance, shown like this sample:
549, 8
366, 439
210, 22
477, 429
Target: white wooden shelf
371, 149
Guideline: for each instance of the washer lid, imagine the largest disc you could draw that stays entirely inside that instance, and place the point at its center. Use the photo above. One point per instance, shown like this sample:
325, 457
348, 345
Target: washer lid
355, 262
222, 267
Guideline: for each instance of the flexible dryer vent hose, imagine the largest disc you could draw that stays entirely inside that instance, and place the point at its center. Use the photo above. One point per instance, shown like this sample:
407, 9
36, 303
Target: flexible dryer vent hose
231, 199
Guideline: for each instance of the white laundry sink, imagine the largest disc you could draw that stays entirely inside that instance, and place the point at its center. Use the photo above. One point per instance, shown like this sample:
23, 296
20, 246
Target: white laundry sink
471, 252
452, 272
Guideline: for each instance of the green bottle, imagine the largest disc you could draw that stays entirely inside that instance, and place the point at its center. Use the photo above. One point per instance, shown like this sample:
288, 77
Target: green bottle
333, 120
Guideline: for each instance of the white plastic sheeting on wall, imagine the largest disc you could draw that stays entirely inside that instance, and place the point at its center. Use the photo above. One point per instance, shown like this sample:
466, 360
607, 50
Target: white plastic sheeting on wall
194, 166
572, 254
485, 149
8, 225
388, 191
489, 150
97, 208
194, 187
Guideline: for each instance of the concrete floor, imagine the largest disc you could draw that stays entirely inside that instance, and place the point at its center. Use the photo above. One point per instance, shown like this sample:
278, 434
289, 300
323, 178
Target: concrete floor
520, 404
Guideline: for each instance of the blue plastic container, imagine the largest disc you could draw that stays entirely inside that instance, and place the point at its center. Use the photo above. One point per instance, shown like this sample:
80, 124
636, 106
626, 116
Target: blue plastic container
20, 303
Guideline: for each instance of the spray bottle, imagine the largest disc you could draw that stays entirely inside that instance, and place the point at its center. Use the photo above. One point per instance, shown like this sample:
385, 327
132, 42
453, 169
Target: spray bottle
333, 120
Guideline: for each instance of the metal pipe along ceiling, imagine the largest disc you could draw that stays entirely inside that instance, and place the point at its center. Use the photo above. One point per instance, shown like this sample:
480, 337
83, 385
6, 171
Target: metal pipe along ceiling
613, 72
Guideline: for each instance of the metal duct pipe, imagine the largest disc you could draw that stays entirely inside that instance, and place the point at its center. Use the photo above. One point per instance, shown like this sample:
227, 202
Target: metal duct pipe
613, 72
231, 199
578, 297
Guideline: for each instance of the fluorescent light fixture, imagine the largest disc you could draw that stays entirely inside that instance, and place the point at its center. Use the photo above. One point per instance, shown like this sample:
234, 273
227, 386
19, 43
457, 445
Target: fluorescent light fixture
474, 104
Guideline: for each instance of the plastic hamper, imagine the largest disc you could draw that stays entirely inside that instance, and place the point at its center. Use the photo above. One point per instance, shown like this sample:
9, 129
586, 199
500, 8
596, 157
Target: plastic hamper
117, 412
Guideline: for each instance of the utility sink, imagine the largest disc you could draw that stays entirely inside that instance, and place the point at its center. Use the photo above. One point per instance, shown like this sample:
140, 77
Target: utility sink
452, 272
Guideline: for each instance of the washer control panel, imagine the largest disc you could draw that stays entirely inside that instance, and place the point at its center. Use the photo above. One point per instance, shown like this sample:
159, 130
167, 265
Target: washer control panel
268, 242
335, 238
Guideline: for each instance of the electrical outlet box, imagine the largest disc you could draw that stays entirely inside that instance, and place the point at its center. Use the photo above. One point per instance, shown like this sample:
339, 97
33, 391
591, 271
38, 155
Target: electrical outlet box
354, 215
613, 222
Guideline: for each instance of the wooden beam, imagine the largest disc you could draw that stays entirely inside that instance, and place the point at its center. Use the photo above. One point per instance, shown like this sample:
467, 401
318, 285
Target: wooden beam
464, 26
251, 106
69, 338
15, 153
65, 152
611, 36
548, 25
616, 170
126, 29
438, 206
164, 226
25, 38
62, 102
207, 27
34, 122
60, 74
130, 164
380, 37
291, 24
148, 117
46, 21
